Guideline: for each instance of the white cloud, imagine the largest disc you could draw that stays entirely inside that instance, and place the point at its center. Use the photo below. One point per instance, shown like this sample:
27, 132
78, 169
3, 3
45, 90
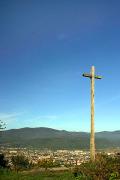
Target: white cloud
9, 117
45, 117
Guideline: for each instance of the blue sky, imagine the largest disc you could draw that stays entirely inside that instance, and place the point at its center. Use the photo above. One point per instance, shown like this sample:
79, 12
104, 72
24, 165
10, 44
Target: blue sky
45, 46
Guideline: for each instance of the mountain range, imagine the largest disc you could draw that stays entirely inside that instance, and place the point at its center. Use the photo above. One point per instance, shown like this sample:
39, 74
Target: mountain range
57, 139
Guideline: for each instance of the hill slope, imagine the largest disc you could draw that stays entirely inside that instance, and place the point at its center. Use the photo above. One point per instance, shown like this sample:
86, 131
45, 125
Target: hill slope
57, 139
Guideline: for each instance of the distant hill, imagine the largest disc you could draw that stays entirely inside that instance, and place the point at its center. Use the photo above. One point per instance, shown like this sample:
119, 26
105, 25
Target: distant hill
57, 139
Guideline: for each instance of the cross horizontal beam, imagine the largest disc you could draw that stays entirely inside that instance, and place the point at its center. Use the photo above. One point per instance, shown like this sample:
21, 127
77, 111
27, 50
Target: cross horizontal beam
90, 76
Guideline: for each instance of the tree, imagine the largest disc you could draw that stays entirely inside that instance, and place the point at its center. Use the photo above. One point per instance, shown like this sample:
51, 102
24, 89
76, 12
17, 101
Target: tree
3, 161
2, 125
20, 162
47, 163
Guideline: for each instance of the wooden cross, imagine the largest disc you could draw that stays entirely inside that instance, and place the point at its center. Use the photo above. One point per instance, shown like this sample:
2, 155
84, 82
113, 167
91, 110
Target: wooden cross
92, 76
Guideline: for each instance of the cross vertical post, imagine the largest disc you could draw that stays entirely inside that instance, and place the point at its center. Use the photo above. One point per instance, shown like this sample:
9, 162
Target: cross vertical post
92, 76
92, 135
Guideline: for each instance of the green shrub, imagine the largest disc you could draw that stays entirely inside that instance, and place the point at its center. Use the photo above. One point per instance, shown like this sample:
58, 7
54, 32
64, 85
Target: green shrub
20, 162
48, 163
103, 168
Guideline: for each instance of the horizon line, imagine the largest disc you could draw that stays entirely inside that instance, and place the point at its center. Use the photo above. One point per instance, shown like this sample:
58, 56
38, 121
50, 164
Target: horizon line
58, 129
